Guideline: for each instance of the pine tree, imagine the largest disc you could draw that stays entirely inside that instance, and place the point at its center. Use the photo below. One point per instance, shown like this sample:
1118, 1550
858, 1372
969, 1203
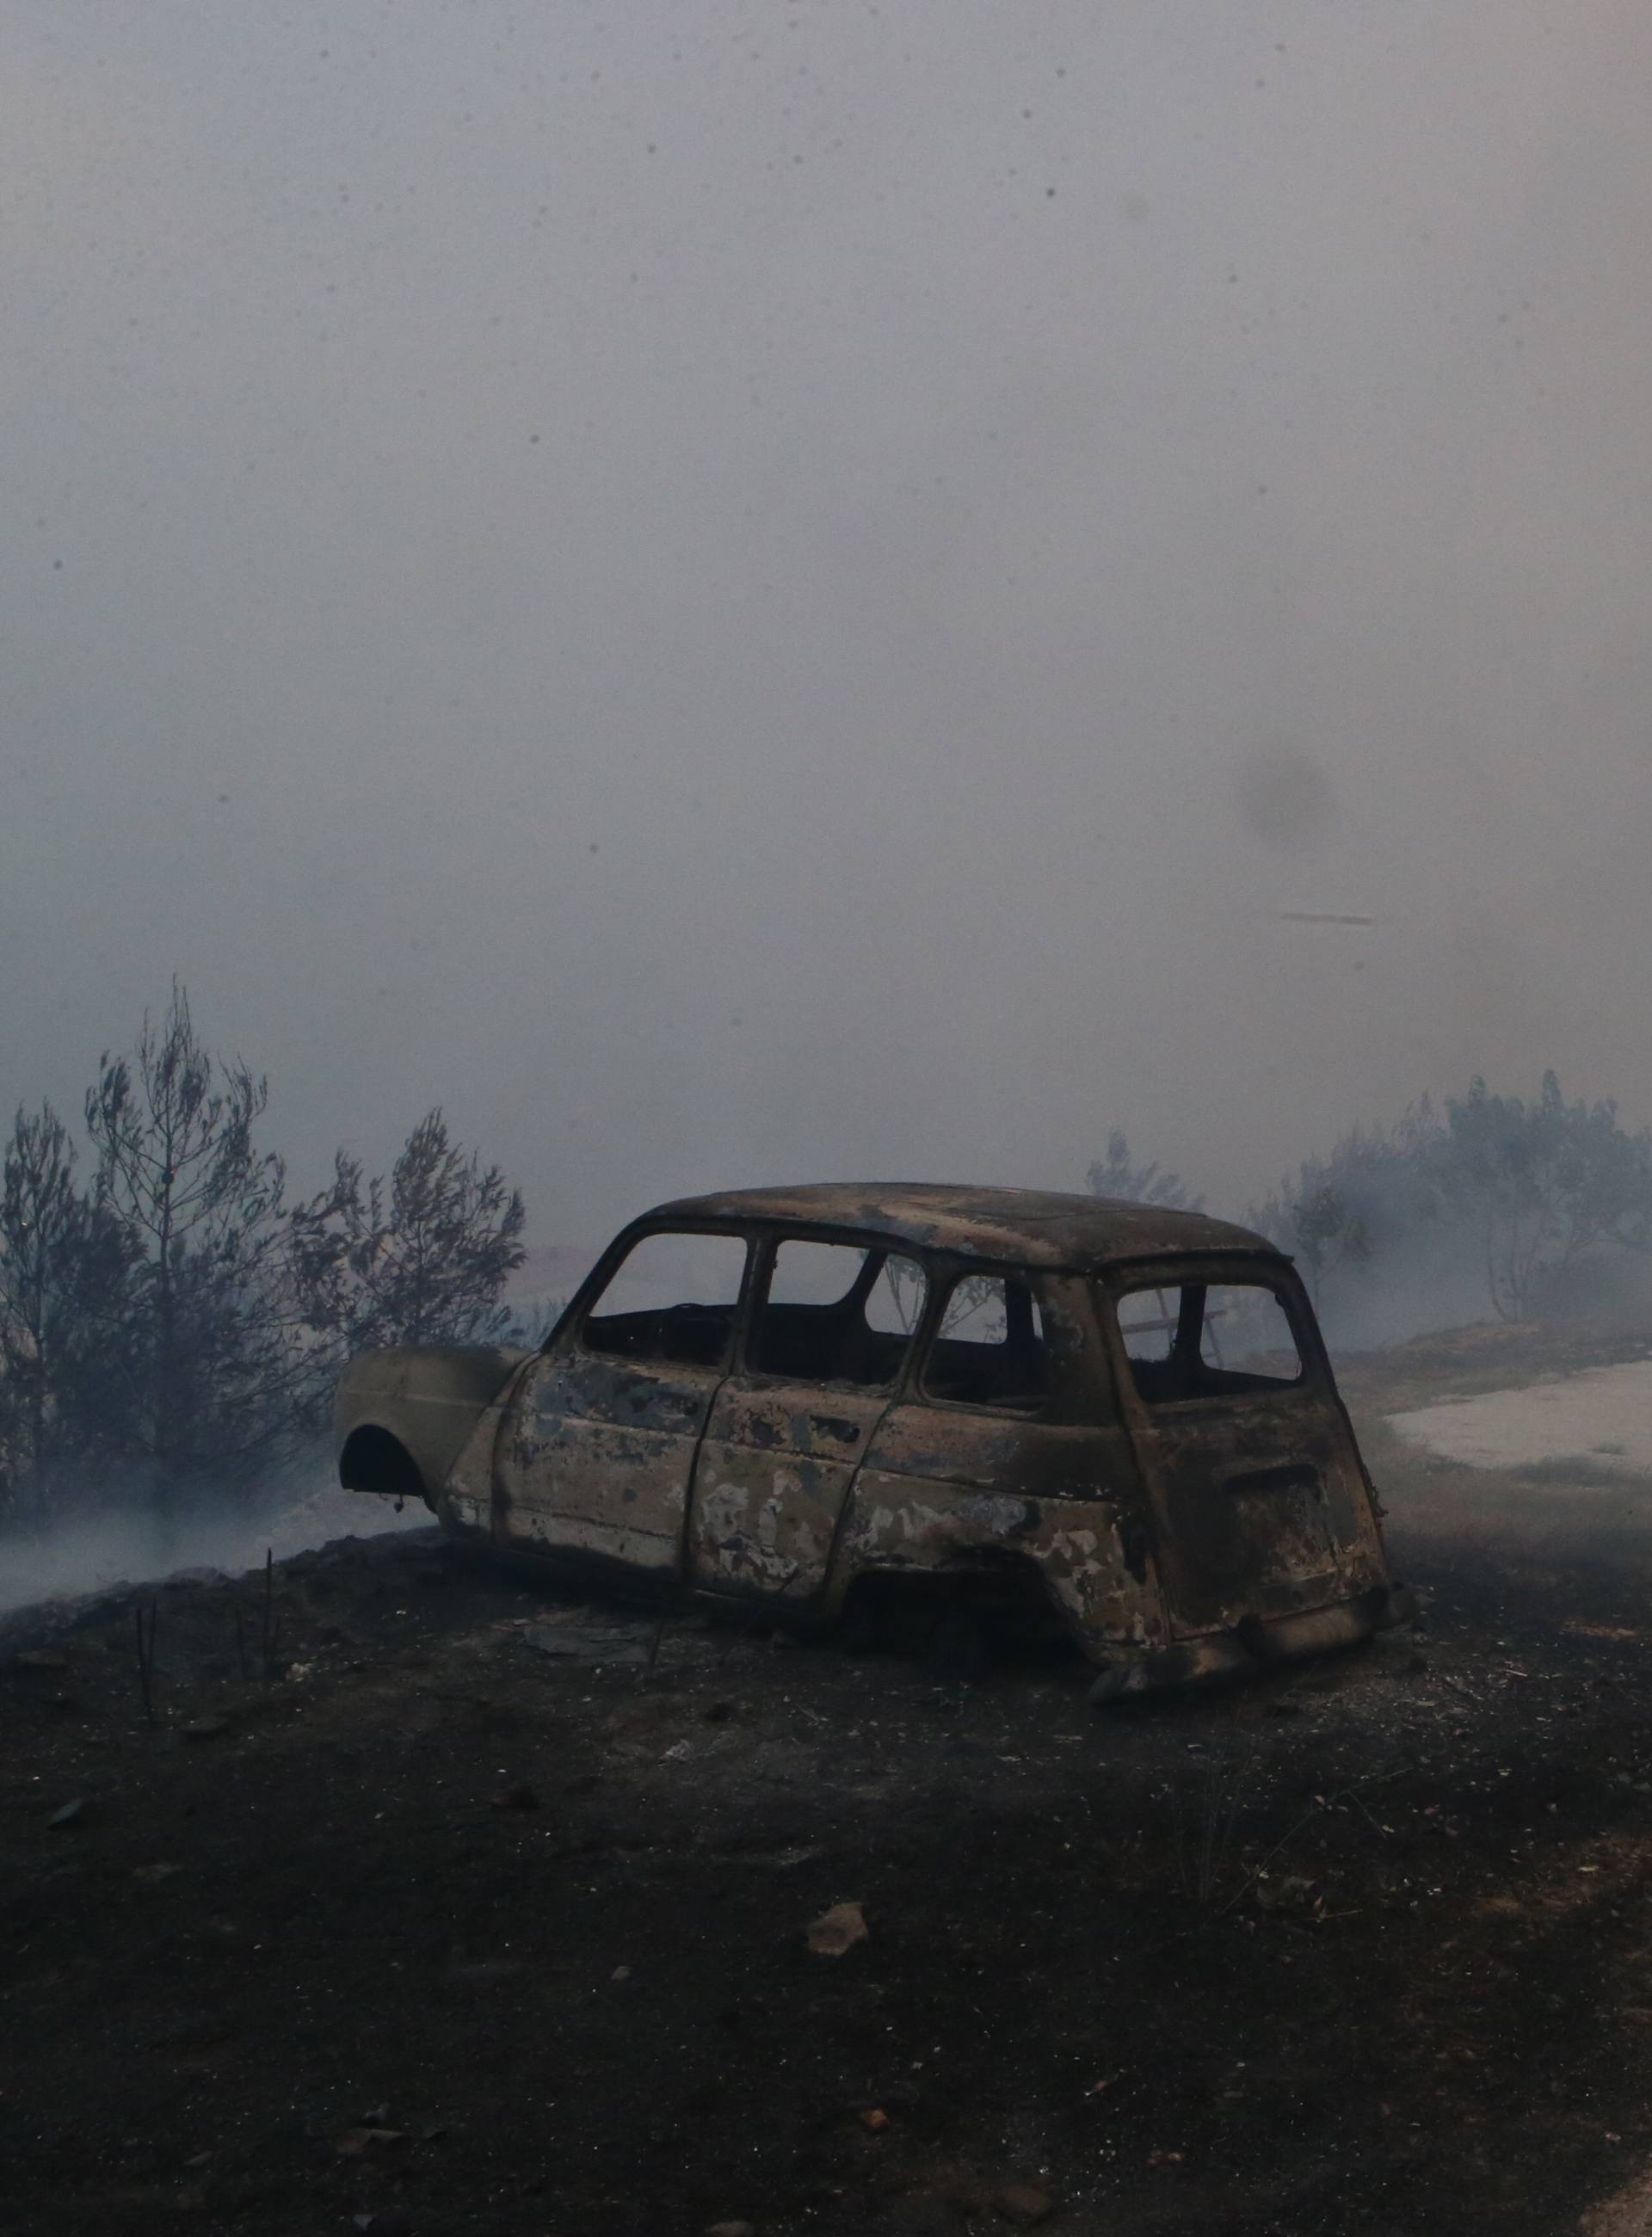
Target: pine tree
422, 1260
63, 1266
207, 1347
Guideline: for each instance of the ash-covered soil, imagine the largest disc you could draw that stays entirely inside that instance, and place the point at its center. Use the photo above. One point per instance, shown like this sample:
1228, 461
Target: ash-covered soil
433, 1931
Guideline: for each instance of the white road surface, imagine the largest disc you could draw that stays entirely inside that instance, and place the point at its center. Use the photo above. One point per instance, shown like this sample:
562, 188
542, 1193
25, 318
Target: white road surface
1600, 1413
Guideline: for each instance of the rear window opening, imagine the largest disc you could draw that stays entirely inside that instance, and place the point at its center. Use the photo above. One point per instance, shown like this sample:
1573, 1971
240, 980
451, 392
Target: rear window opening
1199, 1340
989, 1349
836, 1313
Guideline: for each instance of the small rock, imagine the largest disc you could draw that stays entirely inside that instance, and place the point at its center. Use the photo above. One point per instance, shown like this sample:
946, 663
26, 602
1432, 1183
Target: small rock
620, 1973
838, 1930
152, 1875
355, 2142
205, 1728
676, 1752
519, 1797
1019, 2203
731, 2229
40, 1658
72, 1813
1293, 1895
716, 1712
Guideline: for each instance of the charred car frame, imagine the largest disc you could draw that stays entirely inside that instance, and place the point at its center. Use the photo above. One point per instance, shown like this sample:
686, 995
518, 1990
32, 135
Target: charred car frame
794, 1403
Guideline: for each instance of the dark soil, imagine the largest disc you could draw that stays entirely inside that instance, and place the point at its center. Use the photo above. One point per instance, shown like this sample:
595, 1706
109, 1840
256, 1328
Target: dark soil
436, 1932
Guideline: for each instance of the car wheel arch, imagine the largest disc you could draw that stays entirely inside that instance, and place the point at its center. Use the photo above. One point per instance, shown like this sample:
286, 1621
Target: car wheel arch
374, 1458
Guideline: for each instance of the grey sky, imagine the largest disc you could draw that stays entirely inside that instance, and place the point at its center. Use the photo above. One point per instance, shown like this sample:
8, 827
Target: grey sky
748, 592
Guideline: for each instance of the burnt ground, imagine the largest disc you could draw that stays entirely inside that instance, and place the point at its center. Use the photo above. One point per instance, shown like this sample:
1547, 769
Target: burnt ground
434, 1932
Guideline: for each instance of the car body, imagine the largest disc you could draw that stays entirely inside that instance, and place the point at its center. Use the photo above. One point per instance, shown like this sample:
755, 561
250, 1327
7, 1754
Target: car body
795, 1403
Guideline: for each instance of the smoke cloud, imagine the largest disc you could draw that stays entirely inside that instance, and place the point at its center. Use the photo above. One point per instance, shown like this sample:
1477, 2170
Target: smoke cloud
738, 594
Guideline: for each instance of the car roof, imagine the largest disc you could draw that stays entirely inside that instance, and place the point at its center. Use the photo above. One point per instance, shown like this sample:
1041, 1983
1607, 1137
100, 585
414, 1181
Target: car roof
1015, 1227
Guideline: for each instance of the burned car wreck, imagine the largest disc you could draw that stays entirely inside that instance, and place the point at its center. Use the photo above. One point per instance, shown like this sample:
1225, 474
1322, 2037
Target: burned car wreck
802, 1403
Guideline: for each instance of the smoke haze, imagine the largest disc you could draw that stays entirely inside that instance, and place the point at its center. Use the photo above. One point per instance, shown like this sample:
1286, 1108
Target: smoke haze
739, 592
99, 1549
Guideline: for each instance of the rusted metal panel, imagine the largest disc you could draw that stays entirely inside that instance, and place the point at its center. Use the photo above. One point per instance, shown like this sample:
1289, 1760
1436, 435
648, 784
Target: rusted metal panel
1010, 1227
953, 1491
774, 1473
1259, 1501
596, 1457
428, 1398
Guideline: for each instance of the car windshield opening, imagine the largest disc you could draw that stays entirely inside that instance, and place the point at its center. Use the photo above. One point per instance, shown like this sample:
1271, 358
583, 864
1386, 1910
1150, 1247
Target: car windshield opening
1205, 1340
670, 1300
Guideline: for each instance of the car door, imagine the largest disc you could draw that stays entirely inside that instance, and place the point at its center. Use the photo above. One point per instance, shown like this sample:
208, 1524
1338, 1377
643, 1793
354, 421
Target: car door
998, 1458
830, 1325
1253, 1481
599, 1453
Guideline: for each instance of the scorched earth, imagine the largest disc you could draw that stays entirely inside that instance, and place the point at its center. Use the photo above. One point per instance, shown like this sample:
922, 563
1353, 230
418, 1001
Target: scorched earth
485, 1911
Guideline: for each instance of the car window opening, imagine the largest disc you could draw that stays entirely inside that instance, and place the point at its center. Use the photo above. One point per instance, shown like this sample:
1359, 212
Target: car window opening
1197, 1340
836, 1313
672, 1300
990, 1350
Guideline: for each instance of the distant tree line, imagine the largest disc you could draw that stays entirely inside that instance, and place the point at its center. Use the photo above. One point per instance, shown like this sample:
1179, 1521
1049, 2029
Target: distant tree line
170, 1325
1490, 1195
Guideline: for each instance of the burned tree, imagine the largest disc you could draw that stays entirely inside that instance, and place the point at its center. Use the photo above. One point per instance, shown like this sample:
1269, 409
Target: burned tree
206, 1354
1539, 1185
64, 1264
1328, 1233
421, 1260
1117, 1175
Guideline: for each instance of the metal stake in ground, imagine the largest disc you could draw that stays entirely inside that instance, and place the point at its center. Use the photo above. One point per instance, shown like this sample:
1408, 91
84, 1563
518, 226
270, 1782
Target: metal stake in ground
146, 1656
271, 1628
